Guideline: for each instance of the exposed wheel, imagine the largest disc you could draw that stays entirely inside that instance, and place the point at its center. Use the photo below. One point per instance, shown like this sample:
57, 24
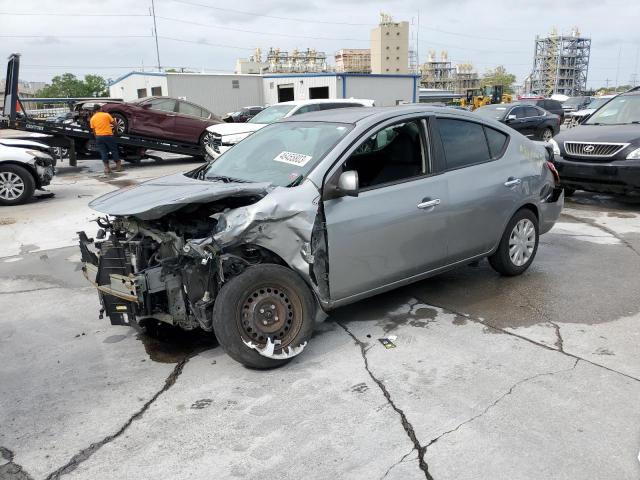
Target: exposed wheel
61, 152
267, 309
121, 124
546, 134
568, 192
518, 245
16, 185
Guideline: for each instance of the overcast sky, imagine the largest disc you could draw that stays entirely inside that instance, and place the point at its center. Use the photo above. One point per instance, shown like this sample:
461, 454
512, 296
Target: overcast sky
210, 35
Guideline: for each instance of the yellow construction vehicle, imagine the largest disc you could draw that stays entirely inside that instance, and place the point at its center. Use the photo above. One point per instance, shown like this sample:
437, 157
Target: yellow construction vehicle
487, 95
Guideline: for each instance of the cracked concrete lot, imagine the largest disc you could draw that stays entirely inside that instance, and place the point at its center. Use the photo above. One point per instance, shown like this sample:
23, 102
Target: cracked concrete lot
505, 378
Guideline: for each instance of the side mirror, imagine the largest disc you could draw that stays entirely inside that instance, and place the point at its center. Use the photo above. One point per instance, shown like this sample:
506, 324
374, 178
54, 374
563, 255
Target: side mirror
510, 117
348, 183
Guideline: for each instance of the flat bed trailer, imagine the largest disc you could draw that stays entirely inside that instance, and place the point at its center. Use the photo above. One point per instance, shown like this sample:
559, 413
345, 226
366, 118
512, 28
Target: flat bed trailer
75, 137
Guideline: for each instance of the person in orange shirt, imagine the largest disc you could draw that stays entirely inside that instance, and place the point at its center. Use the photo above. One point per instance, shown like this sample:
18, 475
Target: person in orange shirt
103, 125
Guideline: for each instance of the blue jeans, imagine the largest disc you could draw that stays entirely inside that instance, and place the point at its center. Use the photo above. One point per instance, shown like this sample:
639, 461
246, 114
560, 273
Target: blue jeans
107, 144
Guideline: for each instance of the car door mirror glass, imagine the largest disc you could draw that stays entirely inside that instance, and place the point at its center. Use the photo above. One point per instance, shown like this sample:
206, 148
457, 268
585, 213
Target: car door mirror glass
348, 183
511, 117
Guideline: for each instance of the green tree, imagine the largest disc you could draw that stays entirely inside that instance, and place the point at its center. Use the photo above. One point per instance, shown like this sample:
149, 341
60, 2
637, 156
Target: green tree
68, 85
499, 76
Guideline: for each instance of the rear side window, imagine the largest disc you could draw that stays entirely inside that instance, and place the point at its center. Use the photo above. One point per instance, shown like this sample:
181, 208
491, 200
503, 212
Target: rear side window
497, 141
532, 112
464, 143
189, 109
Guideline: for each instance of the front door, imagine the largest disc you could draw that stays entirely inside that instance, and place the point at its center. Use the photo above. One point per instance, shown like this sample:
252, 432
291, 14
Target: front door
158, 119
396, 227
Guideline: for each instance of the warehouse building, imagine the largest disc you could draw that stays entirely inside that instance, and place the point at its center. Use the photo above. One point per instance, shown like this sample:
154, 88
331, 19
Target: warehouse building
135, 85
385, 90
223, 93
220, 92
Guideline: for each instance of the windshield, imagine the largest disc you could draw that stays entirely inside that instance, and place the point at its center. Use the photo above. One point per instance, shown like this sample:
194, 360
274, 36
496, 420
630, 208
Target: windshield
272, 114
282, 153
497, 112
620, 110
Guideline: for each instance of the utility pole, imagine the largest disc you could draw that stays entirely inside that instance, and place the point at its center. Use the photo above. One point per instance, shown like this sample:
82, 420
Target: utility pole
618, 67
155, 33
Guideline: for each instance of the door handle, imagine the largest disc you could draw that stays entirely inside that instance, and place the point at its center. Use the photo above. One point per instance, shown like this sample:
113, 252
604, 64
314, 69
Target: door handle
512, 182
429, 203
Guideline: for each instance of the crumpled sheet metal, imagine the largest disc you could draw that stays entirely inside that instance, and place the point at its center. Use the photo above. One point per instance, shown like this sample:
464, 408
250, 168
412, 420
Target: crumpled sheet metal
281, 222
158, 197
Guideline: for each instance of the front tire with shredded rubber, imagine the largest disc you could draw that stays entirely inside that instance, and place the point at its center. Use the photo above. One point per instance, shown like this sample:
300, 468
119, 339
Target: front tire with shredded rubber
265, 316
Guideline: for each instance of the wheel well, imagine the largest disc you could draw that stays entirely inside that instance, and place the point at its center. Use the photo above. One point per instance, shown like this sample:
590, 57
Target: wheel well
532, 207
27, 167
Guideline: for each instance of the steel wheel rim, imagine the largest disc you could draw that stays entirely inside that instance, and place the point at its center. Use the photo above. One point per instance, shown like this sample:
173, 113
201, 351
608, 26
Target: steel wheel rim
547, 135
206, 140
269, 312
11, 186
119, 124
522, 242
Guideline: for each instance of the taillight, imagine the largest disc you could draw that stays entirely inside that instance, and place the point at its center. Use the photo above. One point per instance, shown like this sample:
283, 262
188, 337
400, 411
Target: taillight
556, 175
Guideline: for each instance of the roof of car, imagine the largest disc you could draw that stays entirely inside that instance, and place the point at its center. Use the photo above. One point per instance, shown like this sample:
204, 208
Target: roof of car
356, 114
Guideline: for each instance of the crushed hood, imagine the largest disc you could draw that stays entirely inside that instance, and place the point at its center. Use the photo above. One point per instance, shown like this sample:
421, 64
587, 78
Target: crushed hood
158, 197
225, 129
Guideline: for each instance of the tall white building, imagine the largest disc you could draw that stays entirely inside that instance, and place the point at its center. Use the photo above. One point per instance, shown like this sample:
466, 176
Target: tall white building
390, 47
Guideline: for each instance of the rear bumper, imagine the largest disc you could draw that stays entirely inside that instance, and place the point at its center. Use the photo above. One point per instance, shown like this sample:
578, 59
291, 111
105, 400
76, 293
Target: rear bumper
550, 210
617, 176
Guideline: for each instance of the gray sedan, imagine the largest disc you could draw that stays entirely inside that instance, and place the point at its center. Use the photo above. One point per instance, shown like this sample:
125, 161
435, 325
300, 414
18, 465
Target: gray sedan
318, 211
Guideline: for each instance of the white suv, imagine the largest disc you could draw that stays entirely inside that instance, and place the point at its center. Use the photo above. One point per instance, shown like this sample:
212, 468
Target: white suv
223, 136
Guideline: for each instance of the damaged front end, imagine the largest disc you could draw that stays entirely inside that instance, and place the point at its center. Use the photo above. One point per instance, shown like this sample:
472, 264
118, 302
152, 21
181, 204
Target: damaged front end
166, 255
168, 269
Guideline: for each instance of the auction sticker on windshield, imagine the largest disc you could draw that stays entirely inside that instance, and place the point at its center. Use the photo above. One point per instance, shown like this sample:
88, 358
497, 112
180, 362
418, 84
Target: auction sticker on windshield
292, 158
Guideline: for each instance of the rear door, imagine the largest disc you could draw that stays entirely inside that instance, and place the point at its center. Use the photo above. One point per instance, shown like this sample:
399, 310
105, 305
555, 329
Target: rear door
190, 122
476, 173
156, 120
395, 228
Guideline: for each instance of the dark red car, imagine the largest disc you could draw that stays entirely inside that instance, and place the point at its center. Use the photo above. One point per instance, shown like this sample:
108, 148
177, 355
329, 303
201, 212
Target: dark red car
162, 117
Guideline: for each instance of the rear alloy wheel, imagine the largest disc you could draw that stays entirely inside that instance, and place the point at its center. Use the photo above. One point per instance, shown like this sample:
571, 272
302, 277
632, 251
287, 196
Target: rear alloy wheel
264, 316
518, 245
16, 185
547, 134
121, 124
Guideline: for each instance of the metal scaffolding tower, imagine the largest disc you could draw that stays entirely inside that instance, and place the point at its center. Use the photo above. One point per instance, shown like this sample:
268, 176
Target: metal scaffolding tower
561, 64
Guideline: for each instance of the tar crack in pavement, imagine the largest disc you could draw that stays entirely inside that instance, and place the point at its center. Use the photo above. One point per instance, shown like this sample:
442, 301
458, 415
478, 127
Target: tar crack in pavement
408, 428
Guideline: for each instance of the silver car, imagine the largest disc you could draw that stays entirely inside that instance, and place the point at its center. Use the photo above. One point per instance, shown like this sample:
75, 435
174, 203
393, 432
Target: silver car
315, 212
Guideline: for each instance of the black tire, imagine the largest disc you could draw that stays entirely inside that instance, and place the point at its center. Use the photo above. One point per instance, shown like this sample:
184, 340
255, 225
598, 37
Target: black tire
242, 307
16, 184
501, 260
548, 132
568, 192
122, 126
